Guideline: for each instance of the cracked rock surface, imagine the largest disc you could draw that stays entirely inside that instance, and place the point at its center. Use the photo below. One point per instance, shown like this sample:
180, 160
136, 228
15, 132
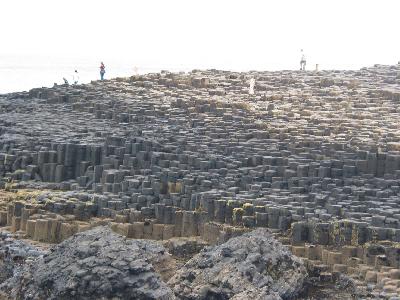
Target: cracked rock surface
96, 264
13, 254
252, 266
100, 264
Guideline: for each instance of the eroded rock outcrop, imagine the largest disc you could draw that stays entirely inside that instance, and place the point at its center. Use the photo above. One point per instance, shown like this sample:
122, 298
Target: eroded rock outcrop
14, 254
96, 264
100, 264
252, 266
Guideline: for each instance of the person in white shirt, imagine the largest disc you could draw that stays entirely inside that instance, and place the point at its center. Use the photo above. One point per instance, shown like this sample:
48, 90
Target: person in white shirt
75, 77
251, 87
302, 61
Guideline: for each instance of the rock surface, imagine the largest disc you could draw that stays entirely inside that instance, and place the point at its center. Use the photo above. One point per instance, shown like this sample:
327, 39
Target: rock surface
96, 264
13, 254
252, 266
184, 248
312, 148
193, 154
99, 264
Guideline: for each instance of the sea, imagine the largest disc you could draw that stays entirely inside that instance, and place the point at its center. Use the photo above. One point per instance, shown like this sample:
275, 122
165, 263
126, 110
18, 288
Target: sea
22, 72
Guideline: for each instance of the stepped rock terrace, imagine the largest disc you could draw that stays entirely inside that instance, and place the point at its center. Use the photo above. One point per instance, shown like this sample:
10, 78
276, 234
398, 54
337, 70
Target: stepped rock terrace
313, 156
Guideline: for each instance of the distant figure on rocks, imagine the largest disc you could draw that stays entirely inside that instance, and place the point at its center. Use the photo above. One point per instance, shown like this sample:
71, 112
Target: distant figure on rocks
75, 77
102, 70
302, 61
251, 87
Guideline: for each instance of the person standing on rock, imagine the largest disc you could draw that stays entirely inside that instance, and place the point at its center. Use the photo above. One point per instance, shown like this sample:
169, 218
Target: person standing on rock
302, 61
102, 70
75, 77
251, 87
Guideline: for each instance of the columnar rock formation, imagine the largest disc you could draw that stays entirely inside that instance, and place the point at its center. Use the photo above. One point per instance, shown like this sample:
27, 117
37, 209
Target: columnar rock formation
165, 155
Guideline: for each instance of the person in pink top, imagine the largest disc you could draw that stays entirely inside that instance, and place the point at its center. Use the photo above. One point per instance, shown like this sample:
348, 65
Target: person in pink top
102, 70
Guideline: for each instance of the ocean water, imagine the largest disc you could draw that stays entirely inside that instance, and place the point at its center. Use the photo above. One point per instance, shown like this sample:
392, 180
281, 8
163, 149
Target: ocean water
22, 73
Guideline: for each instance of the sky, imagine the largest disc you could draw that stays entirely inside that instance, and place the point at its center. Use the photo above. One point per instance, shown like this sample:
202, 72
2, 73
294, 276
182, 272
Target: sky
243, 35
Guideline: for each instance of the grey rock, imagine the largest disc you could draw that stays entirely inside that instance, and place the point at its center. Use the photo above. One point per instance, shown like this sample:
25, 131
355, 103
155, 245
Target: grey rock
252, 266
96, 264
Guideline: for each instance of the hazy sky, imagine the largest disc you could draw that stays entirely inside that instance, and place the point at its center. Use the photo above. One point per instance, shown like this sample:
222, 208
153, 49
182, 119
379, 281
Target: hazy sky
208, 33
